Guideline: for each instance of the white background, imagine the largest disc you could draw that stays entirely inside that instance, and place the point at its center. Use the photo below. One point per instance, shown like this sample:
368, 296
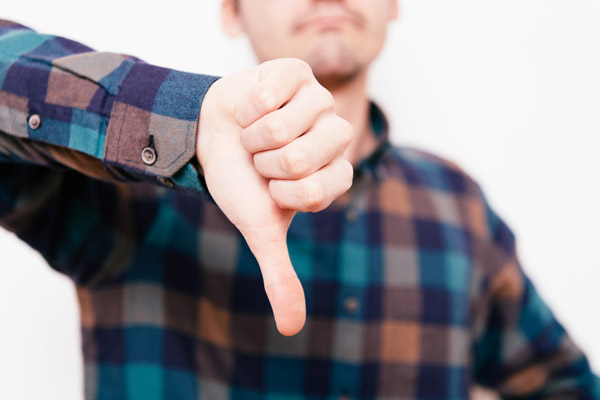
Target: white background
508, 89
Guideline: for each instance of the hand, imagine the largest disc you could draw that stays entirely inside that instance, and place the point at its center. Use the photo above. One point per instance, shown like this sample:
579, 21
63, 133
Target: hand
270, 144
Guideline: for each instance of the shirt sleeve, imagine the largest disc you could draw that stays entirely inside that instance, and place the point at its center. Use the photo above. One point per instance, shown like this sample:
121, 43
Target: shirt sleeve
109, 116
78, 130
520, 349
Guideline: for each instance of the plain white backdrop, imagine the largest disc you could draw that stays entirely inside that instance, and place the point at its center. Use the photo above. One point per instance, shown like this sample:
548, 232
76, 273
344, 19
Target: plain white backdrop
508, 89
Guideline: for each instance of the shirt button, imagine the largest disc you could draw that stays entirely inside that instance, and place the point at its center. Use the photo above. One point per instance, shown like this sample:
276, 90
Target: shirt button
35, 121
352, 214
148, 155
351, 305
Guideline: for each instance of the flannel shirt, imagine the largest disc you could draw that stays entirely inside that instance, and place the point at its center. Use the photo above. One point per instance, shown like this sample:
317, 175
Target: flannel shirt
413, 285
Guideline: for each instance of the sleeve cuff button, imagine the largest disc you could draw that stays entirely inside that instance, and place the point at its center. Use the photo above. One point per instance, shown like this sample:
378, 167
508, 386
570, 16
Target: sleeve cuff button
148, 155
34, 121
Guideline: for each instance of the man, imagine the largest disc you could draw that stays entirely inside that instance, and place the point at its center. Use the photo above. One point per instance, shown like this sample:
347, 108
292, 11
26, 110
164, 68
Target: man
413, 287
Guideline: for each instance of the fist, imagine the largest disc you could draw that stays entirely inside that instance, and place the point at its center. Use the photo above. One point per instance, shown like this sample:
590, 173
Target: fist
270, 144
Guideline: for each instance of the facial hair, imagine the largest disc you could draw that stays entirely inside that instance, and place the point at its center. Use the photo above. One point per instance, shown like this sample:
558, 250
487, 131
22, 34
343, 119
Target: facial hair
333, 63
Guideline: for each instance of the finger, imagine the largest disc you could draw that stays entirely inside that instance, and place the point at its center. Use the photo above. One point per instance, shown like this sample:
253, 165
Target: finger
276, 82
308, 153
281, 126
281, 283
316, 191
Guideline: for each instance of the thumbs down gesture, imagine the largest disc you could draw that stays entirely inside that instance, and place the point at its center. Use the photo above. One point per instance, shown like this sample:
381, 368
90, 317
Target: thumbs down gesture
270, 144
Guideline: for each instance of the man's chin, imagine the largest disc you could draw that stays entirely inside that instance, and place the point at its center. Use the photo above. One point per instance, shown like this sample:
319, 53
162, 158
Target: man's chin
333, 66
334, 79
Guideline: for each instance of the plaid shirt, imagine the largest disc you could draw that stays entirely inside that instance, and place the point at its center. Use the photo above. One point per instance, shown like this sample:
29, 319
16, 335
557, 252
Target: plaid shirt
413, 286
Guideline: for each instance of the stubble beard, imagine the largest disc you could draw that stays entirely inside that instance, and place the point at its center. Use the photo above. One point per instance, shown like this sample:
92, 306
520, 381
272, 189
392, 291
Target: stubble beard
334, 64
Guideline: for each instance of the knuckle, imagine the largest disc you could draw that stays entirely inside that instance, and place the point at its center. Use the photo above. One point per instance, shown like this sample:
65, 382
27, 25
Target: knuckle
263, 100
314, 195
276, 131
294, 163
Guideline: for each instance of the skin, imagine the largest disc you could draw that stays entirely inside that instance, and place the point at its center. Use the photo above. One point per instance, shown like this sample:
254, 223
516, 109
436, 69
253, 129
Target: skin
242, 107
339, 39
275, 132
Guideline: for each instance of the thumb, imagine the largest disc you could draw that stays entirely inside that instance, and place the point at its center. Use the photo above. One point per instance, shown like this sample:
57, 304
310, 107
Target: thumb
282, 285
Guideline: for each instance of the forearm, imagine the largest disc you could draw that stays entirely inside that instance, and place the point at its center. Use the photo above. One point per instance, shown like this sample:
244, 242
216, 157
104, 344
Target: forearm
98, 113
73, 124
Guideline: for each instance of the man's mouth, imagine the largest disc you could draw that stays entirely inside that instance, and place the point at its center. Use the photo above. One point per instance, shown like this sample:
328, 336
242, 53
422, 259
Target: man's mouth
337, 18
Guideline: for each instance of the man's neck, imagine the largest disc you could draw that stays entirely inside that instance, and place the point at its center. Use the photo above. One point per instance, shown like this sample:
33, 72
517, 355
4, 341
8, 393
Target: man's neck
352, 104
